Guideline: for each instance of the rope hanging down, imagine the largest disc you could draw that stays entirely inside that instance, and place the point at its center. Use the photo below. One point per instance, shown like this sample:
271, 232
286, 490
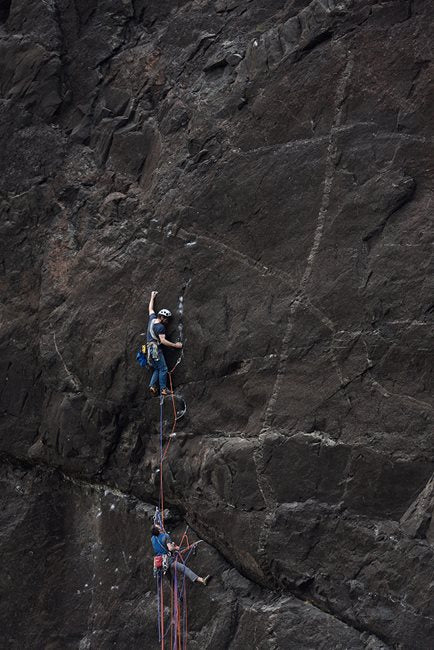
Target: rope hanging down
178, 589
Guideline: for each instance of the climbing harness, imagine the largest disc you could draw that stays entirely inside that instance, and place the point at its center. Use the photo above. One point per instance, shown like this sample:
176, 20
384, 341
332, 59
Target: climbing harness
153, 351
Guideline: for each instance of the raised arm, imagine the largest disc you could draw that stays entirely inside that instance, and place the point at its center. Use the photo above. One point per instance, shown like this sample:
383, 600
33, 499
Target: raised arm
151, 302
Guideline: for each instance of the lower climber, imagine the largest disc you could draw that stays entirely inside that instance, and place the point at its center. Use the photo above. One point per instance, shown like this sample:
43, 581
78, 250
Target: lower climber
163, 549
156, 339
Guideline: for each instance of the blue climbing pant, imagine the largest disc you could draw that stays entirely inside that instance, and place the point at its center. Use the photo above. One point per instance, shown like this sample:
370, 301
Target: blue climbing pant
159, 374
183, 569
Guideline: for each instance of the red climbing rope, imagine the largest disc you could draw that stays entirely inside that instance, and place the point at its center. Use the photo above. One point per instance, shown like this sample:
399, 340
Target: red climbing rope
163, 454
178, 599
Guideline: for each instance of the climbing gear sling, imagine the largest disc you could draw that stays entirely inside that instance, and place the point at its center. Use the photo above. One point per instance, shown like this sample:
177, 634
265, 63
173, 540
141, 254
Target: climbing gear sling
161, 563
153, 352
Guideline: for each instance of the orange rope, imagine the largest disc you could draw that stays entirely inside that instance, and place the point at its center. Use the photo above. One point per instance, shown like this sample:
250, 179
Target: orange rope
176, 633
187, 548
166, 449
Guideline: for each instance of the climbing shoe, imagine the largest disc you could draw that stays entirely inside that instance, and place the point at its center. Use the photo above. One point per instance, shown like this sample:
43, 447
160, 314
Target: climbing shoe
165, 391
153, 390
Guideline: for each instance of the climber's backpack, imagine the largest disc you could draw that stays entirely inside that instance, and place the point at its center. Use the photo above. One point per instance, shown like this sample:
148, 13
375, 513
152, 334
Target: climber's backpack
141, 356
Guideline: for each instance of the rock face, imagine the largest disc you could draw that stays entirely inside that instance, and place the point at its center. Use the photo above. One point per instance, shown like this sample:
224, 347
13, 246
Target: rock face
267, 165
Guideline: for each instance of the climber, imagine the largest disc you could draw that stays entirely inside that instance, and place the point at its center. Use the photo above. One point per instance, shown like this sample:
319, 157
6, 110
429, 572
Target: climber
164, 558
156, 338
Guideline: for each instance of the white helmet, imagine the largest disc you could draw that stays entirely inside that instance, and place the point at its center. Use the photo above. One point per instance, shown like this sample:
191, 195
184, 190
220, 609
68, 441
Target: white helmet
165, 312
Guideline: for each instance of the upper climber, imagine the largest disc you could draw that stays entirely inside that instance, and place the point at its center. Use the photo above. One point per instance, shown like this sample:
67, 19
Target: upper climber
156, 338
164, 551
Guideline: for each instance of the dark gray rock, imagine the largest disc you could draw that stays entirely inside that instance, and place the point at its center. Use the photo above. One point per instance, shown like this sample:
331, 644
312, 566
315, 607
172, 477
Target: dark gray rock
267, 166
68, 577
417, 521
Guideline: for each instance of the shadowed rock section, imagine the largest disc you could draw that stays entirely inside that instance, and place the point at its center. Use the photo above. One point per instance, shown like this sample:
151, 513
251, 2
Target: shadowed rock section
267, 166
